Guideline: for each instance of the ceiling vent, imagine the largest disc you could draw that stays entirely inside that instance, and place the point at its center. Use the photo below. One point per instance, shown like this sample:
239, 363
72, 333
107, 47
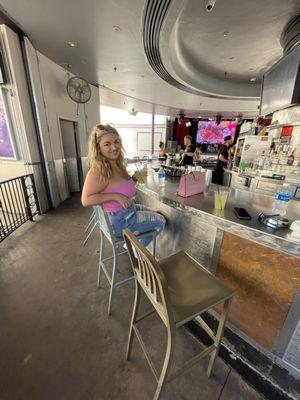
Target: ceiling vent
290, 37
154, 15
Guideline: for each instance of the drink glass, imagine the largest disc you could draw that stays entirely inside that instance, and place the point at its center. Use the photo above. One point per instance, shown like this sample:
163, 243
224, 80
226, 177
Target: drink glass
141, 174
220, 198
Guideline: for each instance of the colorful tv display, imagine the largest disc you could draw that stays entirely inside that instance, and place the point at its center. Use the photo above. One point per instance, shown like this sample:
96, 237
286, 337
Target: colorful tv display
209, 132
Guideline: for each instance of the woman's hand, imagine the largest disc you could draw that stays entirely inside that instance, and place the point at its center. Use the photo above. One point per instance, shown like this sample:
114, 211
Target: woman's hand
123, 200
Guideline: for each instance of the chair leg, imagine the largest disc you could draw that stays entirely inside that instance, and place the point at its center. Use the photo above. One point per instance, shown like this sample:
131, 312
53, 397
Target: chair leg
167, 364
113, 279
154, 246
91, 220
89, 234
100, 259
137, 298
219, 336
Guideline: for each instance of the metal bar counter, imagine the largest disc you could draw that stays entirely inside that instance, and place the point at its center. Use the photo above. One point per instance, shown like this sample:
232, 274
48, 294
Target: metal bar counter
202, 207
261, 265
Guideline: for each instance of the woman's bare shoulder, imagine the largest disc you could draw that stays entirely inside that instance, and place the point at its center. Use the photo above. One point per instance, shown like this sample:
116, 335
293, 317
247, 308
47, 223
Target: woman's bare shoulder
94, 177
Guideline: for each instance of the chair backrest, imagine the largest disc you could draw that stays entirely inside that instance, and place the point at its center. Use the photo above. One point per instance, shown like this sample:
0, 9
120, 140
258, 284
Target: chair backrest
150, 276
104, 223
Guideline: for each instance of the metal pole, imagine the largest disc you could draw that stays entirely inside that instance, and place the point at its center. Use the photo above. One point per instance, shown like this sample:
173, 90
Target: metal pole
152, 129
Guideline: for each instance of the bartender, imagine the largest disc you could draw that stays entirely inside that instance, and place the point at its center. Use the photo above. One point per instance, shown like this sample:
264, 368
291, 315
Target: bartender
188, 153
222, 160
162, 150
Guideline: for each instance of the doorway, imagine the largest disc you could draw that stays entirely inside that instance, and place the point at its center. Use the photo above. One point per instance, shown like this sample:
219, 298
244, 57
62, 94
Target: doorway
71, 157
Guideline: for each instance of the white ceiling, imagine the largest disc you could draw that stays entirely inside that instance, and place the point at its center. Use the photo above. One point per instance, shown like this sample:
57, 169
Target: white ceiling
192, 45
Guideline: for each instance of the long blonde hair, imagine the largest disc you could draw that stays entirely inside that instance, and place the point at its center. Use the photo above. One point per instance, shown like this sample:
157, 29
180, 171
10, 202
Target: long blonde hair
96, 160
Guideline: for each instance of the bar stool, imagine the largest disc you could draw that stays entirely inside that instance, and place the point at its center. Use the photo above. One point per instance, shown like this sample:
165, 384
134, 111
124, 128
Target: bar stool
105, 229
180, 290
91, 225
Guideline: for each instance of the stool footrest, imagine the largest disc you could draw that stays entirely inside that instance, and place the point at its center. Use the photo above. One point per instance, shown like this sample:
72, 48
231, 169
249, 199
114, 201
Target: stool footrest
207, 329
147, 355
188, 364
119, 283
111, 257
145, 315
108, 277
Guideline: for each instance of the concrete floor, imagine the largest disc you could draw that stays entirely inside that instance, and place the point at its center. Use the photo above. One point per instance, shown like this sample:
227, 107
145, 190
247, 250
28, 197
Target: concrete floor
56, 340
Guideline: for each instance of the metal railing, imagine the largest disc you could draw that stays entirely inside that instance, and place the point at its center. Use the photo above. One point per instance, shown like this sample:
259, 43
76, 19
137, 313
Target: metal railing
18, 203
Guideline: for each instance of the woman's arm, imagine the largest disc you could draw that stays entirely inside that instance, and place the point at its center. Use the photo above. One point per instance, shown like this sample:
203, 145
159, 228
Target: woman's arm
92, 188
222, 158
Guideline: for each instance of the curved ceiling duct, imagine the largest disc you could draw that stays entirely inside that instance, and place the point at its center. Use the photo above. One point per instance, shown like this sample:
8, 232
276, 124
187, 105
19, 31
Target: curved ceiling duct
290, 36
154, 15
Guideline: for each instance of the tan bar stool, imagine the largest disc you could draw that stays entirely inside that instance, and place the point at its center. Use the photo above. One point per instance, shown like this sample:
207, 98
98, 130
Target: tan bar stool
106, 230
180, 290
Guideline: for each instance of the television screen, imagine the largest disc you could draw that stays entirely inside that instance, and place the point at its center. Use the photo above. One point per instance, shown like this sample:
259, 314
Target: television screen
209, 132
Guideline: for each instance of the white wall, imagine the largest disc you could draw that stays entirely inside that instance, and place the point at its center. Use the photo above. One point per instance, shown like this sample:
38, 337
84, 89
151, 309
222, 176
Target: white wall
135, 131
19, 108
52, 101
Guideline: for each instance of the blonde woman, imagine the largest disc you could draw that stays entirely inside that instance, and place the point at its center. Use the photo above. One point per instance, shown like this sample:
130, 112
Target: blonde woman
108, 183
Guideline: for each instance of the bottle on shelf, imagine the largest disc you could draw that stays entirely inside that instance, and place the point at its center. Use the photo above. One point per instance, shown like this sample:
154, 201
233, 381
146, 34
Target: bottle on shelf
261, 160
161, 177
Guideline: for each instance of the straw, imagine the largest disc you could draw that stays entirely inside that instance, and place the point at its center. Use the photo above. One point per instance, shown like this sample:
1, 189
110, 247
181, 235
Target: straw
219, 195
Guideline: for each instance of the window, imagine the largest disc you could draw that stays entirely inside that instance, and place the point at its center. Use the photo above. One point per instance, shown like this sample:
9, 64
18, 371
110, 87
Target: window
7, 149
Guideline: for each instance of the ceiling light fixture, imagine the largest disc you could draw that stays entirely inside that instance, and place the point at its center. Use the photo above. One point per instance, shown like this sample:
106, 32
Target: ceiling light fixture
72, 44
180, 118
209, 5
225, 33
218, 119
132, 112
68, 66
253, 79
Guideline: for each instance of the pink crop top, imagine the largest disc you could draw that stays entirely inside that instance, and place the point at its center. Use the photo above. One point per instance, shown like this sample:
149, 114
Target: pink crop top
127, 188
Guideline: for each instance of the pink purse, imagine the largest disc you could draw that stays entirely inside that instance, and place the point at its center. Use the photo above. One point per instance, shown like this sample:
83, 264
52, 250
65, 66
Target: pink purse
192, 183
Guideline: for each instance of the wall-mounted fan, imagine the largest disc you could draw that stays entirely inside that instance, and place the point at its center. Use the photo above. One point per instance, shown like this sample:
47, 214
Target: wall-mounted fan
79, 90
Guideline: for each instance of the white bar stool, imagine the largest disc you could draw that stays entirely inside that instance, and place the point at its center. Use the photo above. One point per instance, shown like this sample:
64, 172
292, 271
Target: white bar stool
105, 228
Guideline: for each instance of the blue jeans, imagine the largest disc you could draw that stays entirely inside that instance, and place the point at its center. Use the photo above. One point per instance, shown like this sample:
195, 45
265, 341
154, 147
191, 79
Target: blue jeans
139, 219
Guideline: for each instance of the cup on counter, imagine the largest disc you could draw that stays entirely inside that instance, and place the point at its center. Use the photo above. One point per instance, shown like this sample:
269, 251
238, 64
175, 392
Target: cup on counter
220, 198
141, 174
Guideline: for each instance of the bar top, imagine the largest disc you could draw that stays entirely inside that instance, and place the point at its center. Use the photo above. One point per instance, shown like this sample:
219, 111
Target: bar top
202, 205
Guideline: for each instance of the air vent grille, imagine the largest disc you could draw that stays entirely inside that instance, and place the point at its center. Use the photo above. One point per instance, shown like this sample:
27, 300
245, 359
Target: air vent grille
154, 15
290, 37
